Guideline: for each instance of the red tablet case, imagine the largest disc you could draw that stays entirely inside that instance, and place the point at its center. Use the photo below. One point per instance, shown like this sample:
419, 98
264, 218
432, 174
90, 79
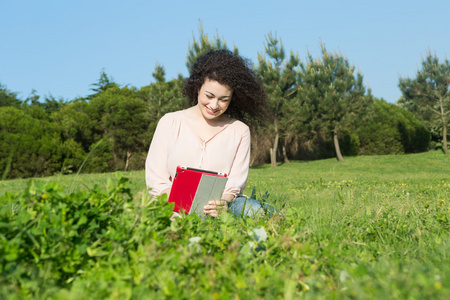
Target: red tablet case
185, 186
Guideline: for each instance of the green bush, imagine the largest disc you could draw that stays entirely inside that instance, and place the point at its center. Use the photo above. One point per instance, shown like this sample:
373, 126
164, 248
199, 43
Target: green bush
30, 144
392, 130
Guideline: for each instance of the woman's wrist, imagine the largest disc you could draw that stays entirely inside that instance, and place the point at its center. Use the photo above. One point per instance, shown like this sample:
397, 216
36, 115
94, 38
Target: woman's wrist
228, 197
166, 191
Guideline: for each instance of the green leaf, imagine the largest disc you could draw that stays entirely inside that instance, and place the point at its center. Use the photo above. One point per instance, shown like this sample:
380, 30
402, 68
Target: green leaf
95, 252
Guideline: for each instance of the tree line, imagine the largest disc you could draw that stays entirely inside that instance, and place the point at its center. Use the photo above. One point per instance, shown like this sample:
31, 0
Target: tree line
320, 108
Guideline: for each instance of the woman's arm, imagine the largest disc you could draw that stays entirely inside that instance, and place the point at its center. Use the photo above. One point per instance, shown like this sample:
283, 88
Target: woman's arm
157, 175
237, 178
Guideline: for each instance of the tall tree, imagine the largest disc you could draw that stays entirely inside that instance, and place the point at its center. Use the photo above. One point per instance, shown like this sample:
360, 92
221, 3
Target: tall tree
427, 95
332, 97
279, 78
162, 97
160, 73
203, 45
104, 82
123, 119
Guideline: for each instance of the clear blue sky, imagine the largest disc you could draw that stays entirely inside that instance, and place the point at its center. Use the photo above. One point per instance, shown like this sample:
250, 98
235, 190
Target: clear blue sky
60, 47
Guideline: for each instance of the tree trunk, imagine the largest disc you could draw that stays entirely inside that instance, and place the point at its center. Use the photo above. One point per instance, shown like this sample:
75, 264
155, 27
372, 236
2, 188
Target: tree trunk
444, 127
273, 150
286, 159
336, 146
444, 140
127, 160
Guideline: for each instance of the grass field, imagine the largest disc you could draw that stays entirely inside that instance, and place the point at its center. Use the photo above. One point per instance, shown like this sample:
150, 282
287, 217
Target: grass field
366, 228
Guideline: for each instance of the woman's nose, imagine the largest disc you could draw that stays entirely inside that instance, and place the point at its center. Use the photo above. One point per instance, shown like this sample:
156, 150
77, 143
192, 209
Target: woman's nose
214, 103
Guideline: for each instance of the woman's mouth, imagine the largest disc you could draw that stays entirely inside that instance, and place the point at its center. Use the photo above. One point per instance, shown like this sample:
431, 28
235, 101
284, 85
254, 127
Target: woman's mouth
210, 111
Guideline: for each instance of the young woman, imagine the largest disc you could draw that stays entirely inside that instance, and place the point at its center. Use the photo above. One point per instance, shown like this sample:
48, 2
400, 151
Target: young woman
222, 90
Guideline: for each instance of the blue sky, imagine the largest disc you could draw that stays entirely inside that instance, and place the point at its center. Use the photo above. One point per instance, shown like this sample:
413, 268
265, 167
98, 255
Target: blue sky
59, 47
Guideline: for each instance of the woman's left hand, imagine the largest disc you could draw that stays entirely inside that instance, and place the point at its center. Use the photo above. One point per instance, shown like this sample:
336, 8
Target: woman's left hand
215, 208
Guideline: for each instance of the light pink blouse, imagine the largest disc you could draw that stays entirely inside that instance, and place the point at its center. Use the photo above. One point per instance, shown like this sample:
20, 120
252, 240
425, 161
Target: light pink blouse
176, 143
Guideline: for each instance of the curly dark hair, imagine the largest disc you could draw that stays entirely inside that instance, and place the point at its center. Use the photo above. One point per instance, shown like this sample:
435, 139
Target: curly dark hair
249, 98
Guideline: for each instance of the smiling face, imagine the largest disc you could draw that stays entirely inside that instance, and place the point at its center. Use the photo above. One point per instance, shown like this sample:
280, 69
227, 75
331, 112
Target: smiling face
213, 99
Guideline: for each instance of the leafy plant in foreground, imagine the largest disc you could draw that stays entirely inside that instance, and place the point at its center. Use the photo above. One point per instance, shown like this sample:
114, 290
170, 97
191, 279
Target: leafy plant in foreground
51, 237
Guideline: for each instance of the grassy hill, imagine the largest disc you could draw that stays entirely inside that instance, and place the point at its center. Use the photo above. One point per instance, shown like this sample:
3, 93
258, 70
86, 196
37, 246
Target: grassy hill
368, 227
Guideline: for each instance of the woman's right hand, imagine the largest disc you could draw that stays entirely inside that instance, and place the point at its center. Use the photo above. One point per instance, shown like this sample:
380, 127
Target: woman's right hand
215, 208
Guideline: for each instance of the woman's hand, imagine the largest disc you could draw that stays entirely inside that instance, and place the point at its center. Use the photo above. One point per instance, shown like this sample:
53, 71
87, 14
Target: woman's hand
215, 208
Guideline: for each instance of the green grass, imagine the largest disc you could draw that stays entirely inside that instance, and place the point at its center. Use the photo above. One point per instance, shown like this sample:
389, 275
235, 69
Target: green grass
288, 179
367, 228
400, 180
73, 183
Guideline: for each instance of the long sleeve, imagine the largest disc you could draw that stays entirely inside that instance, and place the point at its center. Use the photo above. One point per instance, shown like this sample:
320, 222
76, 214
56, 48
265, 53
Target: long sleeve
237, 178
157, 176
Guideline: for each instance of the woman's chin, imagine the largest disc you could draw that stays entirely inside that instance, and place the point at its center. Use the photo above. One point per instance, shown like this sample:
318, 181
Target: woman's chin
209, 115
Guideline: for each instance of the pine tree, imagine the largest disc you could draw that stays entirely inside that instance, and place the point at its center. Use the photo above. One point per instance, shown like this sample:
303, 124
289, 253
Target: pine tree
203, 45
162, 97
104, 83
279, 78
331, 98
160, 73
427, 95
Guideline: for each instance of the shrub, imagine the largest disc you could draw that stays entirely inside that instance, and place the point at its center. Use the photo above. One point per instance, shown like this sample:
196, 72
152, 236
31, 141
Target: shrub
392, 130
49, 238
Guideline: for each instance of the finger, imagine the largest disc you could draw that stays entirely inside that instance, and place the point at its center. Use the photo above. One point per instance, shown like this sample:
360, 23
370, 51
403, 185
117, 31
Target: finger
210, 207
212, 213
217, 202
